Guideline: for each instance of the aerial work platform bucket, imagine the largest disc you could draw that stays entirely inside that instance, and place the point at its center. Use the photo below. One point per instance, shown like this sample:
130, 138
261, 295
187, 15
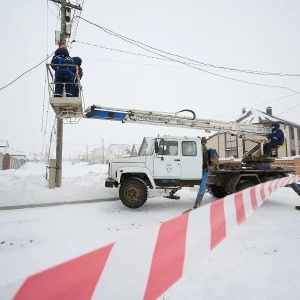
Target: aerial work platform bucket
70, 109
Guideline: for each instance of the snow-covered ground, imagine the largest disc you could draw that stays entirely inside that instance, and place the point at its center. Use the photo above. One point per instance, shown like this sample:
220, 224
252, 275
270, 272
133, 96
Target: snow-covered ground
258, 262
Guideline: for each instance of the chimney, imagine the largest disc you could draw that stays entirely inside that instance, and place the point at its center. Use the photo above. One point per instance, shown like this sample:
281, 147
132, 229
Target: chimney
243, 110
269, 111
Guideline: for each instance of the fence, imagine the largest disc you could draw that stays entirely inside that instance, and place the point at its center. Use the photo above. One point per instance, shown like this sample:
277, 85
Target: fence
9, 162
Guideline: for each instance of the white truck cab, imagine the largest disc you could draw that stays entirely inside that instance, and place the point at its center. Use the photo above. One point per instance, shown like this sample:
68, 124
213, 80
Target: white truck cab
169, 162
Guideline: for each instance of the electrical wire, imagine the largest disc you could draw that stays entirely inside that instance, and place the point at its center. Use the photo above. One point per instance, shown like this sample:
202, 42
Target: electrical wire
76, 18
50, 9
44, 100
122, 51
287, 110
134, 63
5, 86
232, 112
192, 60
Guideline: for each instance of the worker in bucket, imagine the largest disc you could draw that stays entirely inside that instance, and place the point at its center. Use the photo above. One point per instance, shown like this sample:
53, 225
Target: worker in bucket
275, 138
78, 75
64, 71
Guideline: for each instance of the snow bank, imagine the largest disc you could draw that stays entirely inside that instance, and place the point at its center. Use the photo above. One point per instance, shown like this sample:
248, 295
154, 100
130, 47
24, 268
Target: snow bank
28, 184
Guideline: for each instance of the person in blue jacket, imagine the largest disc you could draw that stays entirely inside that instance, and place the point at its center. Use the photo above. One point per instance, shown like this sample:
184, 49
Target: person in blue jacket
64, 73
79, 73
276, 138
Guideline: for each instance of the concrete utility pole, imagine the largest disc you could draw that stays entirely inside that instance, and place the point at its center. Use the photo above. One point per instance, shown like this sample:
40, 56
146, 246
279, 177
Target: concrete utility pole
102, 151
59, 132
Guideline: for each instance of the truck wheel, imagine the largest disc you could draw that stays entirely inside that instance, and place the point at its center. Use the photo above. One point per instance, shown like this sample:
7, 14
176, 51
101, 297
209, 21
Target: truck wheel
133, 192
243, 184
218, 191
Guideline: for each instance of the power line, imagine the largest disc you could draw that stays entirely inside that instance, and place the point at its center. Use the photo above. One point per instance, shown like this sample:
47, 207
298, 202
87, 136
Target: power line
195, 61
287, 109
138, 44
44, 99
75, 19
2, 88
51, 10
122, 51
133, 63
268, 101
131, 53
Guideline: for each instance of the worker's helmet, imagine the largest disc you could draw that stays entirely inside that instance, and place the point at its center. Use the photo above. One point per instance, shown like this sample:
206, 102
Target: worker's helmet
77, 60
276, 125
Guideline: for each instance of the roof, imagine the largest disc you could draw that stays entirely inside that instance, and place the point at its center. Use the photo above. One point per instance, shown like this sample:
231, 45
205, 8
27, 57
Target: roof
3, 144
254, 116
118, 148
98, 152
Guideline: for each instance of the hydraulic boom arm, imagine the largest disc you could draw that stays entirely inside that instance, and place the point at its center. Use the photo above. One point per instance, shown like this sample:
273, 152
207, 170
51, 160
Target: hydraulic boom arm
255, 133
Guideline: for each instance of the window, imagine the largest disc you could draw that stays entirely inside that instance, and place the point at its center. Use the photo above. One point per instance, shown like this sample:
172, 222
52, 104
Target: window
293, 152
168, 148
298, 133
230, 141
292, 136
189, 148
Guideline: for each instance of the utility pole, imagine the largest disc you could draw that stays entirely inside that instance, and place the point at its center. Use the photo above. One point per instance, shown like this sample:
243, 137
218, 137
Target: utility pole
65, 7
102, 151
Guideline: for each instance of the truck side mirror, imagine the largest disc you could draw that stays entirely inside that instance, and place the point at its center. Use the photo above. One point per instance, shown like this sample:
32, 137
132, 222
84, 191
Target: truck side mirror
156, 146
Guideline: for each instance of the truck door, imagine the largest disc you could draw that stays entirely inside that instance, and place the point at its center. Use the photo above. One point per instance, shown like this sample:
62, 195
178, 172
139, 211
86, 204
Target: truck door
191, 160
167, 160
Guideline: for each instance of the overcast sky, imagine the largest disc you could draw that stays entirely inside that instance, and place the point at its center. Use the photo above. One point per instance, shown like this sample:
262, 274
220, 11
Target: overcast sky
252, 35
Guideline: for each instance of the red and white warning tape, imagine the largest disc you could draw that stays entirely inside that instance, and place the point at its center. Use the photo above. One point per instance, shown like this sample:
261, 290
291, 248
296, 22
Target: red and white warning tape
144, 266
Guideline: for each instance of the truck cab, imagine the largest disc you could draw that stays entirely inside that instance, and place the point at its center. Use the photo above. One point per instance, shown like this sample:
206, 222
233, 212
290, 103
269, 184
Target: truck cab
168, 163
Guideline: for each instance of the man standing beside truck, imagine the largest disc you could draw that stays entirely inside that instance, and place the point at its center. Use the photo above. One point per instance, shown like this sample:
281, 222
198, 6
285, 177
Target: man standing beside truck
204, 153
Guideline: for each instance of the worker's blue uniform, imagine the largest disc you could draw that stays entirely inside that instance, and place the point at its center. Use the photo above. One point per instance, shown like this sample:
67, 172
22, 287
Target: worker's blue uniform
276, 138
64, 75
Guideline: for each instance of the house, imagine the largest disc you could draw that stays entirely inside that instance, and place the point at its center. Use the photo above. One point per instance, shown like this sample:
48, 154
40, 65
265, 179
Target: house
3, 146
97, 156
11, 159
116, 151
134, 150
230, 145
143, 146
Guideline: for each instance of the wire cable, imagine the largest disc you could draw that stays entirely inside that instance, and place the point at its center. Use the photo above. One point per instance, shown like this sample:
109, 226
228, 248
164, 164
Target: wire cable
76, 19
44, 100
138, 44
5, 86
195, 61
234, 111
134, 63
122, 51
287, 110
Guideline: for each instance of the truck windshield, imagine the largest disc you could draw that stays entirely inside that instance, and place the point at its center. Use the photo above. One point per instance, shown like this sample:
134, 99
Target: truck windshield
150, 147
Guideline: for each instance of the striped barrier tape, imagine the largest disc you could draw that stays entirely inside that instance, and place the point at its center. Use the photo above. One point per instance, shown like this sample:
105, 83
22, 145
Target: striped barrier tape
145, 265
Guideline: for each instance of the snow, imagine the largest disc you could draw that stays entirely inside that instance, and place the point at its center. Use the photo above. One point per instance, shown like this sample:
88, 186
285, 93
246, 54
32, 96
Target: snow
254, 116
259, 261
28, 185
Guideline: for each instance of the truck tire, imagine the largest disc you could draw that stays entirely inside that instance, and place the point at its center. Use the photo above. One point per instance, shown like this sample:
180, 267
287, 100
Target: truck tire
133, 192
243, 184
217, 191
